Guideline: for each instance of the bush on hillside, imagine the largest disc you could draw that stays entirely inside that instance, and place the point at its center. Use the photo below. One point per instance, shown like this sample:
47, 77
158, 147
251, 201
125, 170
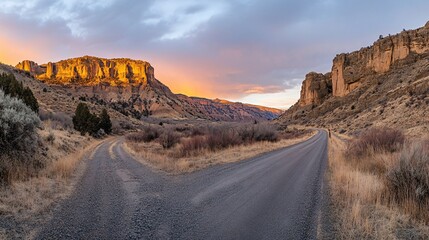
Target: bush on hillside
408, 179
14, 88
221, 137
258, 132
59, 120
18, 124
18, 138
169, 138
86, 122
105, 122
376, 139
82, 120
148, 134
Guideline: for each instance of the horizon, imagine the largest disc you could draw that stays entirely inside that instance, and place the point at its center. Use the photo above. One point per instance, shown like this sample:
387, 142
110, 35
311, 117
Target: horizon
205, 49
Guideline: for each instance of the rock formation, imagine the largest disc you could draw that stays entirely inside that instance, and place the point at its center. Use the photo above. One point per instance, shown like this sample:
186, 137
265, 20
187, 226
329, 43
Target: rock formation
348, 69
29, 66
370, 84
315, 88
91, 71
130, 86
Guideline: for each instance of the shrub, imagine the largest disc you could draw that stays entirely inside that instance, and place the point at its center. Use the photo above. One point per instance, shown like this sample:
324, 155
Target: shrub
50, 138
105, 122
86, 122
169, 138
265, 132
294, 133
258, 132
58, 119
29, 99
376, 139
82, 120
148, 134
18, 138
221, 137
194, 144
14, 88
18, 125
408, 179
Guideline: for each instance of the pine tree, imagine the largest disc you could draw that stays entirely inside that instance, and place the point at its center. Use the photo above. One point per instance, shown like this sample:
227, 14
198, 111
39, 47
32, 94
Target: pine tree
105, 122
93, 125
29, 99
82, 118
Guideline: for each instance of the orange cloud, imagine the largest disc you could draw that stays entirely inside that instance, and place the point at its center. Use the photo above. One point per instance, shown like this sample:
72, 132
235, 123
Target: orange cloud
261, 89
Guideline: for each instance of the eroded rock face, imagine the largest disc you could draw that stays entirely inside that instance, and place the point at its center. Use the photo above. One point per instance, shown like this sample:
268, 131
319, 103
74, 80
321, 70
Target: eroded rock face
348, 69
91, 71
29, 66
385, 85
315, 88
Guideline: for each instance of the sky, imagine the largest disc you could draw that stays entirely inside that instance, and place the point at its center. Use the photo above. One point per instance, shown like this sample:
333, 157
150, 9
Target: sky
241, 50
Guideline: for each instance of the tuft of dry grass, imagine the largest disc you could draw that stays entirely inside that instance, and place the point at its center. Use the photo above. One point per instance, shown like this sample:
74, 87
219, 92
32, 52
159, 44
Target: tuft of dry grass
360, 189
407, 180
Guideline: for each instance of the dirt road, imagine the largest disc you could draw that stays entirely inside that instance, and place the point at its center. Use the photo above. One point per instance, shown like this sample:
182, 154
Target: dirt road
274, 196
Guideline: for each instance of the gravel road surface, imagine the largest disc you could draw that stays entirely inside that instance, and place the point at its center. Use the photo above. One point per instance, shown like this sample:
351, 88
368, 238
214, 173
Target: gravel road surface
273, 196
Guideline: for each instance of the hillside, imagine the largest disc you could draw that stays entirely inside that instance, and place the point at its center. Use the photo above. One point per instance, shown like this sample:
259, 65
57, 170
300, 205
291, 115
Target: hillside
60, 101
130, 87
386, 84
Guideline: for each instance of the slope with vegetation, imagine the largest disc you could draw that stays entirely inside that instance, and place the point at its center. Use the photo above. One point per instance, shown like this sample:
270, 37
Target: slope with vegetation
39, 155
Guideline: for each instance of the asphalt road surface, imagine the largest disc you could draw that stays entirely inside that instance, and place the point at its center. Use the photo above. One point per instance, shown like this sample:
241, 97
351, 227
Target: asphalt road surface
274, 196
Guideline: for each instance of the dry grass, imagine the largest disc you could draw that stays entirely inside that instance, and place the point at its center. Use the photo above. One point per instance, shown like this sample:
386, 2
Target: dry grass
170, 161
26, 204
364, 209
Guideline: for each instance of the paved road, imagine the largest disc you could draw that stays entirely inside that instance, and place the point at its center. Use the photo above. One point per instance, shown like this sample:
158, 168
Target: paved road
274, 196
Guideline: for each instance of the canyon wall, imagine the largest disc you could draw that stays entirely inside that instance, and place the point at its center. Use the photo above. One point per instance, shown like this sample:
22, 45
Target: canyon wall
349, 70
315, 88
91, 71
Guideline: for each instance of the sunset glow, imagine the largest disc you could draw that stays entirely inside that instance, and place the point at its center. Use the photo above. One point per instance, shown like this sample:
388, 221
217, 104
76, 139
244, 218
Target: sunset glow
238, 50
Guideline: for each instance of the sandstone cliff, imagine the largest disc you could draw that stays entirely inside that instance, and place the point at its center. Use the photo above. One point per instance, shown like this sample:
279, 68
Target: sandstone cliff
349, 69
130, 87
375, 85
91, 71
315, 88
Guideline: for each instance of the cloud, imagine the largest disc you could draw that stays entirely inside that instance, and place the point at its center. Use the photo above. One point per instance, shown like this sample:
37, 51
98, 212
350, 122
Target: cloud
260, 89
227, 48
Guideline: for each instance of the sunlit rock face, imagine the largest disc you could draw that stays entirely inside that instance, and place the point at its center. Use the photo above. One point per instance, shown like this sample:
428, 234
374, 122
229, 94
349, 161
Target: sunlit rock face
29, 66
315, 88
349, 68
91, 71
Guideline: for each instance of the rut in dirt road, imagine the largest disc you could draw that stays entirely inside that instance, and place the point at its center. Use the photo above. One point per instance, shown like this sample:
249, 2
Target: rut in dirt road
273, 196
